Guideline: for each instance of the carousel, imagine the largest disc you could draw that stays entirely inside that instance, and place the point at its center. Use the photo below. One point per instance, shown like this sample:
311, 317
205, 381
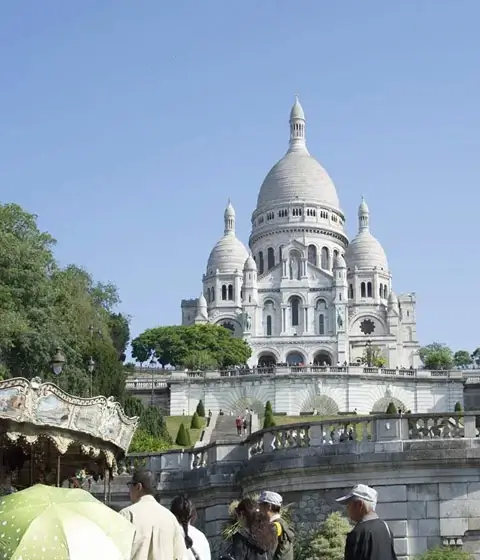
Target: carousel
50, 437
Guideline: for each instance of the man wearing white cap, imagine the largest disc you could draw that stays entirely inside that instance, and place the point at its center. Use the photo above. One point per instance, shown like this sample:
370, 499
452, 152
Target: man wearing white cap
371, 538
271, 504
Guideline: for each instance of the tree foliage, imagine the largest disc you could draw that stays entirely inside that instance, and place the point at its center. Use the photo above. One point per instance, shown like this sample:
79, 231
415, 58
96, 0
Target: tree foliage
373, 357
195, 345
444, 553
183, 437
268, 419
144, 442
195, 423
436, 356
391, 408
328, 543
45, 306
151, 434
462, 358
200, 409
119, 328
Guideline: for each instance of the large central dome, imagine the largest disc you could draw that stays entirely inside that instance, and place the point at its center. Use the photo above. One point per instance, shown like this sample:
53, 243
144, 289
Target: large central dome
297, 177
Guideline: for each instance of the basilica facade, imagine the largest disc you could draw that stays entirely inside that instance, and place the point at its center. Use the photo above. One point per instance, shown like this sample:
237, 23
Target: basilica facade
302, 293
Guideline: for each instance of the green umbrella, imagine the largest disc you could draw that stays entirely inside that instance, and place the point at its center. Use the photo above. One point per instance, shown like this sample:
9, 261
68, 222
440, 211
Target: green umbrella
47, 523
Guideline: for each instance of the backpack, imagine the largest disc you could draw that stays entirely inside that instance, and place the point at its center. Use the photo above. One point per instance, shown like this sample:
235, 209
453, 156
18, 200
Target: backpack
286, 536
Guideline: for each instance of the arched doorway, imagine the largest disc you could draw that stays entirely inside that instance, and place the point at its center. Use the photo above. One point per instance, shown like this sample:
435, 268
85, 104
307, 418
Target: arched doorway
295, 359
382, 404
324, 405
267, 359
322, 358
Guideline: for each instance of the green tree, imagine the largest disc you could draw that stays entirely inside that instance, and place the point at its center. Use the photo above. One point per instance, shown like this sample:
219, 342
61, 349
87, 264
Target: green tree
268, 407
436, 356
45, 306
183, 437
391, 408
143, 442
458, 407
200, 360
444, 553
373, 357
196, 423
462, 358
200, 409
268, 420
175, 345
119, 329
328, 543
476, 356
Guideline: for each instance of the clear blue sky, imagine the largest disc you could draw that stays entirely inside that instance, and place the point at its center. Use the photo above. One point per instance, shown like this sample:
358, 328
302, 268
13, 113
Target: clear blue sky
126, 126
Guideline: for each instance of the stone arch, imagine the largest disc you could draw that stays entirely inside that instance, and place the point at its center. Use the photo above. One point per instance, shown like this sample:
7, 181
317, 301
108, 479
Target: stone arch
295, 358
323, 404
381, 405
267, 359
239, 406
322, 357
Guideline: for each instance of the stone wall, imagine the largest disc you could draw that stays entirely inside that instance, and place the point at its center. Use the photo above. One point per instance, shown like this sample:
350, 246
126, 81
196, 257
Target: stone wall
424, 467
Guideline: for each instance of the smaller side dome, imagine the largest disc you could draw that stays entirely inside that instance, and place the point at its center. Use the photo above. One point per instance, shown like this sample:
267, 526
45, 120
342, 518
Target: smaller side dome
339, 262
202, 302
250, 263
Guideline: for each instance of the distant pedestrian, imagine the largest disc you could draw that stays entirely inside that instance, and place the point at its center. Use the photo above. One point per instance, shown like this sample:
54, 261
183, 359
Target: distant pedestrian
371, 538
245, 426
238, 424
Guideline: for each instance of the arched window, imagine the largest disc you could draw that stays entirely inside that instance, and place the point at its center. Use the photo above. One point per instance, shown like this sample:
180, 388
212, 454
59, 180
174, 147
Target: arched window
363, 290
260, 263
335, 253
325, 258
312, 255
350, 291
241, 294
321, 324
369, 289
385, 291
269, 325
230, 292
321, 305
213, 294
295, 310
209, 295
270, 258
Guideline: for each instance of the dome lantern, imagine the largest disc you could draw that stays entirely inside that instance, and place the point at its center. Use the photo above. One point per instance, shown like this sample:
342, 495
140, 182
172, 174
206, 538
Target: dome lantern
297, 127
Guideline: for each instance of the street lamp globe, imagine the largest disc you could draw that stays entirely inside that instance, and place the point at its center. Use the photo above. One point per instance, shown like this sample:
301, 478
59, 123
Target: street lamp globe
91, 365
57, 362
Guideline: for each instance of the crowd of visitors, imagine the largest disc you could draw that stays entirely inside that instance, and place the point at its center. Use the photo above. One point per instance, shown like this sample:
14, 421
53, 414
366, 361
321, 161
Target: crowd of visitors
262, 534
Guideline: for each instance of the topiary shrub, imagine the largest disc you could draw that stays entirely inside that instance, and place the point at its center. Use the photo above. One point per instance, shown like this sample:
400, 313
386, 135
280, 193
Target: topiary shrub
328, 543
268, 407
183, 437
391, 408
268, 421
200, 409
444, 553
458, 407
196, 423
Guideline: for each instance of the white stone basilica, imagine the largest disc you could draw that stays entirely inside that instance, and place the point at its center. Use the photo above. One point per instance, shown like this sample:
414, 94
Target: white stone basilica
304, 294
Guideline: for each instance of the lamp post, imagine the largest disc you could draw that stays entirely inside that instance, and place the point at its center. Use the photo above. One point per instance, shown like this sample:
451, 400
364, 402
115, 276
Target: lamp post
91, 367
153, 363
57, 362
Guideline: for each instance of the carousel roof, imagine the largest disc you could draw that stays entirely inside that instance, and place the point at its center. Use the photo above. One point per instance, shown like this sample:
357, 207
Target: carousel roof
31, 409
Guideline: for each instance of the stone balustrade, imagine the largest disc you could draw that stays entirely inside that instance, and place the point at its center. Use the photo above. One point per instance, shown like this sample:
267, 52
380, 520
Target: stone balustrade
424, 467
143, 378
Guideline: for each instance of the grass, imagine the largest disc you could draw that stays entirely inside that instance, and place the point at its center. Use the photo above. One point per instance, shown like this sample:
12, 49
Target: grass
173, 423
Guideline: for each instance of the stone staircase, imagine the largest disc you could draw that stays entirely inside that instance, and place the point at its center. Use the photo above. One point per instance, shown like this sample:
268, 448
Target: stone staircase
225, 429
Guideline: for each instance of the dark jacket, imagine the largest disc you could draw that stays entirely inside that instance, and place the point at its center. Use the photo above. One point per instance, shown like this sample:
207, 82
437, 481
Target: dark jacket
371, 539
286, 538
246, 547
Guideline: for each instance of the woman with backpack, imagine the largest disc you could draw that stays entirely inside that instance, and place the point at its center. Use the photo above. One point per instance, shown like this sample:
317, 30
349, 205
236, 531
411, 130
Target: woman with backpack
256, 539
195, 541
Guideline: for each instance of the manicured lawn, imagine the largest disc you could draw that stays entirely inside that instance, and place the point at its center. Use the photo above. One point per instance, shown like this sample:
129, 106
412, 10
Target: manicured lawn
173, 423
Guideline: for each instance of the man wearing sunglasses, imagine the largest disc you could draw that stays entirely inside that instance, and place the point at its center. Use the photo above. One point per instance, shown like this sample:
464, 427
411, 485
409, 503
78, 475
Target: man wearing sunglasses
157, 533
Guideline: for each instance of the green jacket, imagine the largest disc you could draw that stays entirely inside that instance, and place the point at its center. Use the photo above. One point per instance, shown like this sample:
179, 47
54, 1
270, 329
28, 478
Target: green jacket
286, 538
